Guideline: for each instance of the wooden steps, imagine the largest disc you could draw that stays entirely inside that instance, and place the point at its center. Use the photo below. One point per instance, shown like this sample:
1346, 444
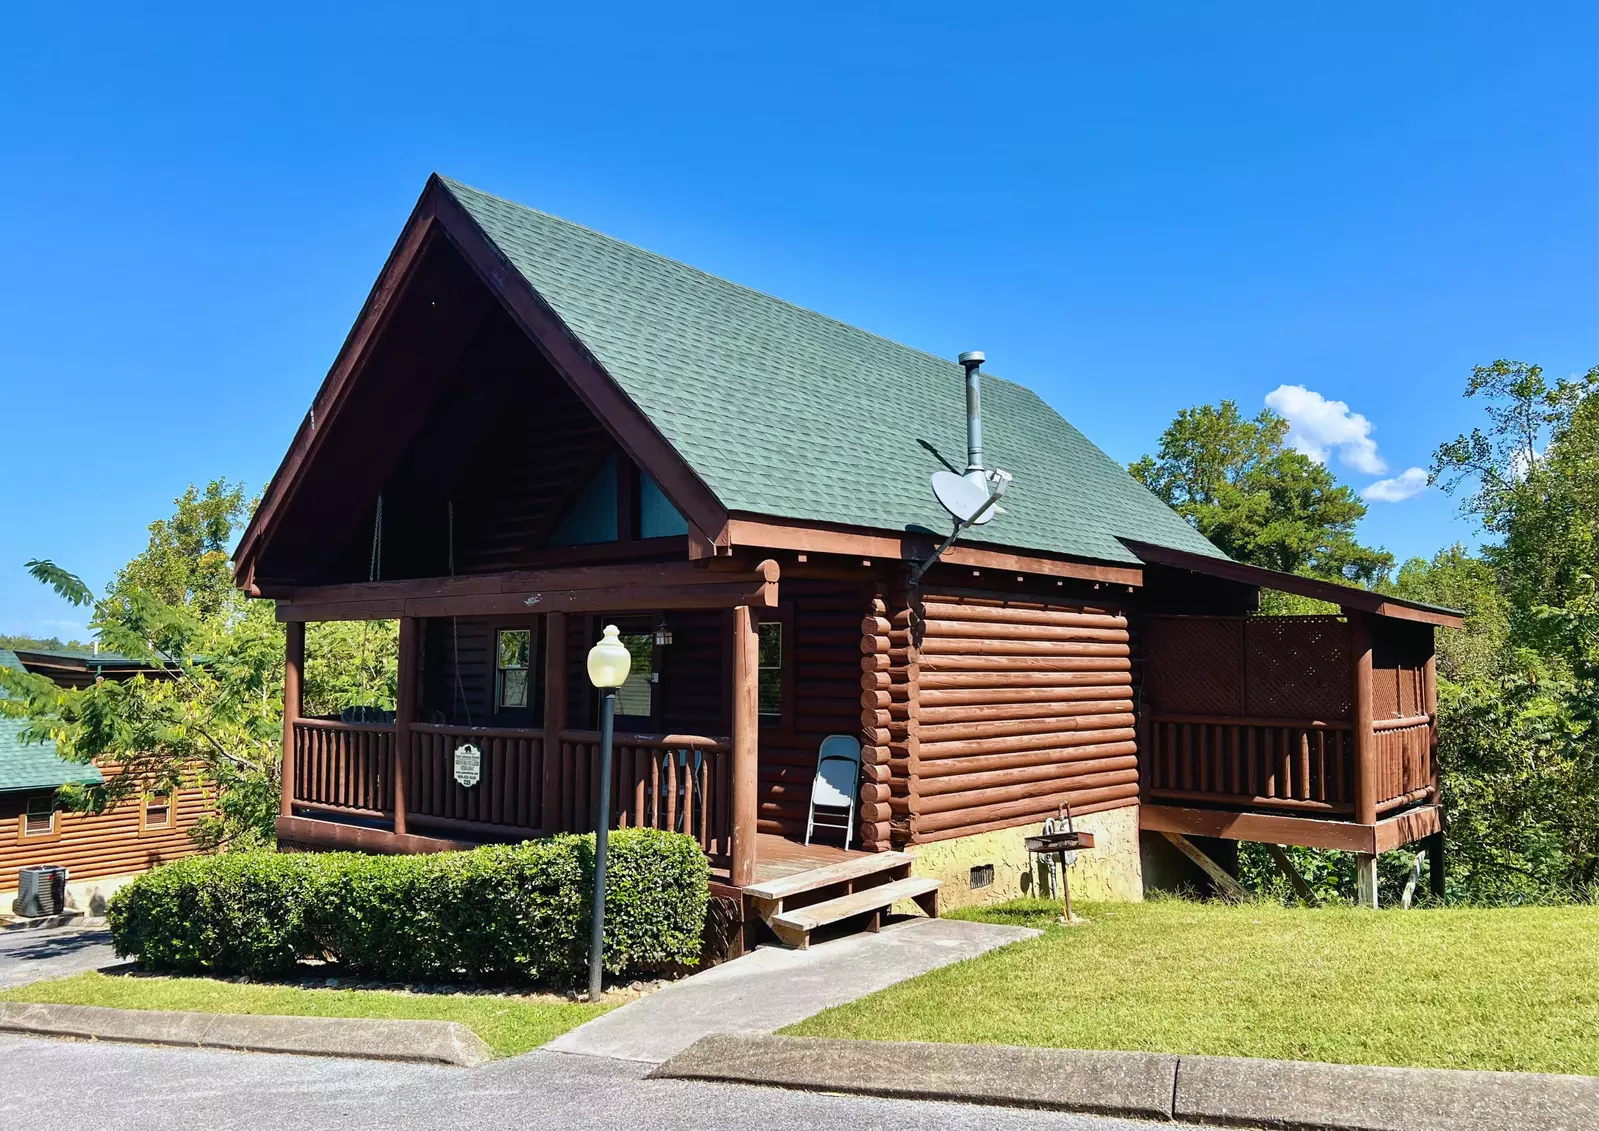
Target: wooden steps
862, 887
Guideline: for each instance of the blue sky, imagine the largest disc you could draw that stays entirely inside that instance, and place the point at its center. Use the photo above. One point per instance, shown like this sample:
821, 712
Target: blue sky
1131, 207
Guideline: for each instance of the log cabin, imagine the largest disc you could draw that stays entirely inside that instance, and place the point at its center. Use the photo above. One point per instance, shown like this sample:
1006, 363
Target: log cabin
534, 430
100, 851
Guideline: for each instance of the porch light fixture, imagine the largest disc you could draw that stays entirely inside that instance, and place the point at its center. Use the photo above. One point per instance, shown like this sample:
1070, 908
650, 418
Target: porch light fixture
608, 665
663, 635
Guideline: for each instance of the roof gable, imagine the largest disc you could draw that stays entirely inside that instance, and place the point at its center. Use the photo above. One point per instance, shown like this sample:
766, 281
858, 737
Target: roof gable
787, 413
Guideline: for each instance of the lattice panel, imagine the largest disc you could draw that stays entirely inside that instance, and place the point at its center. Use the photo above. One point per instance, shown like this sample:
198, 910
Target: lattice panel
1296, 668
1193, 665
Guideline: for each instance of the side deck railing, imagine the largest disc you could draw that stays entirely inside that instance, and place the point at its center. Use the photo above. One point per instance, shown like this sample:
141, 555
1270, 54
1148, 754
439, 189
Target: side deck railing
527, 786
1305, 766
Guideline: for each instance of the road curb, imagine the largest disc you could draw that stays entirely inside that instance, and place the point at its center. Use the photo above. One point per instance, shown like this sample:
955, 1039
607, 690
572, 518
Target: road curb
417, 1042
1223, 1091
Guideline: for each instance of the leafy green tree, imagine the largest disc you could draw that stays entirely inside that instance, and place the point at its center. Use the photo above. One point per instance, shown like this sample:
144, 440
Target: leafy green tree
1257, 499
209, 713
1457, 579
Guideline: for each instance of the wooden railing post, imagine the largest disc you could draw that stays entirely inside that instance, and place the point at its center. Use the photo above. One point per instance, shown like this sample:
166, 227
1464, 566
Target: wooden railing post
405, 710
746, 721
293, 705
1360, 699
555, 662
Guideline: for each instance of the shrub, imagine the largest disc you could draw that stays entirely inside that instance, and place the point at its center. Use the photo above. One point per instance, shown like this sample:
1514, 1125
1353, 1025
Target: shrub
498, 913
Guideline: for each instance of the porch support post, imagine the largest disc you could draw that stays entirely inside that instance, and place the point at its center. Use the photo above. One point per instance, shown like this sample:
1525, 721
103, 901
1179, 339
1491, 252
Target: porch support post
746, 724
1360, 697
1366, 880
405, 710
293, 705
554, 721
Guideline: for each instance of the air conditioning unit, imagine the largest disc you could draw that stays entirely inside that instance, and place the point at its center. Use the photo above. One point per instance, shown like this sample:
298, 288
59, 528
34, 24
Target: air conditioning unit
41, 891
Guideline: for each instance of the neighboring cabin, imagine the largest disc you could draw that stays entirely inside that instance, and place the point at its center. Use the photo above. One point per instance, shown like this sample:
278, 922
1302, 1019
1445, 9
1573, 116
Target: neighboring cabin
534, 430
99, 851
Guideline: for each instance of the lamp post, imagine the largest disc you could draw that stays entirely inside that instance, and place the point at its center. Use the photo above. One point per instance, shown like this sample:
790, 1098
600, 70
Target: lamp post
608, 664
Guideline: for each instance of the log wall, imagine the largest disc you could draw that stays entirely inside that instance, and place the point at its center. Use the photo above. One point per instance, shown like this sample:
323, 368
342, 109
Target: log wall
1000, 708
95, 846
822, 696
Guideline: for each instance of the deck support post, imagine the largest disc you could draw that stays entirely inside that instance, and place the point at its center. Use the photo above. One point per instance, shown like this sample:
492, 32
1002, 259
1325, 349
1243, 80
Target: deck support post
1366, 879
293, 706
746, 722
1435, 864
1361, 700
555, 662
405, 710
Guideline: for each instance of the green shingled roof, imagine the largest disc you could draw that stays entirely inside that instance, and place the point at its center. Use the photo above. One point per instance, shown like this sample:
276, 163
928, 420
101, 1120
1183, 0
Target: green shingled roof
787, 413
33, 765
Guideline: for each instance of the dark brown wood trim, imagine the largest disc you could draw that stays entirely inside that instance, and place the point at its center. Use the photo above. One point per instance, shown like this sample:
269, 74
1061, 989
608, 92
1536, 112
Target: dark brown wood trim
633, 431
758, 533
1308, 832
1348, 596
359, 838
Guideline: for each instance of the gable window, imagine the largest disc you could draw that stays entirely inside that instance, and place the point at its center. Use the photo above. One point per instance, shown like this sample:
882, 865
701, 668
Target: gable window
39, 818
592, 517
513, 650
157, 811
657, 517
770, 670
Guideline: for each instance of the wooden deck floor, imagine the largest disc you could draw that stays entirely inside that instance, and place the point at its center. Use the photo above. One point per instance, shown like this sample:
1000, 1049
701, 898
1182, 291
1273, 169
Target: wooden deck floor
777, 856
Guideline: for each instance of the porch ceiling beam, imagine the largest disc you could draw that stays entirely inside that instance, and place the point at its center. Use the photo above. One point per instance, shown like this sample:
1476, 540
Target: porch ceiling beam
764, 534
677, 585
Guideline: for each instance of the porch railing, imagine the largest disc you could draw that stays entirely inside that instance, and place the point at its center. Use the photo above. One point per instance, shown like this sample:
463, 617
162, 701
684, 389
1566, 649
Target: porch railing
508, 796
527, 786
344, 767
677, 782
1297, 765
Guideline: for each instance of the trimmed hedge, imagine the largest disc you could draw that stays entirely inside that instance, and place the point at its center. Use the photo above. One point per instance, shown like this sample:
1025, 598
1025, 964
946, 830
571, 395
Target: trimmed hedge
494, 914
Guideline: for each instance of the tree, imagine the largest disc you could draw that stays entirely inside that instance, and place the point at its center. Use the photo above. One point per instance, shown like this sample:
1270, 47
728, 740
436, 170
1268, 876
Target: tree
1457, 579
210, 711
1258, 500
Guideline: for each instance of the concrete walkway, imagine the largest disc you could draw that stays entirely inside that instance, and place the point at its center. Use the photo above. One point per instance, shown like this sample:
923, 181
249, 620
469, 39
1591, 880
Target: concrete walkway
52, 952
774, 987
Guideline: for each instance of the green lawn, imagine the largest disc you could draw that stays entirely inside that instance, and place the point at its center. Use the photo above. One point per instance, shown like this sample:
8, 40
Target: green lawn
1494, 989
509, 1025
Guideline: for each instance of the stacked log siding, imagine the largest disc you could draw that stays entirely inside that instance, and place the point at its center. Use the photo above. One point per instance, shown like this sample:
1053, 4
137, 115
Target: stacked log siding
1020, 705
93, 846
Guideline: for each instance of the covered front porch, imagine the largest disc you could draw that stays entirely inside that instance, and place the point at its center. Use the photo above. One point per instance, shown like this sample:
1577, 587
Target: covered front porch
730, 692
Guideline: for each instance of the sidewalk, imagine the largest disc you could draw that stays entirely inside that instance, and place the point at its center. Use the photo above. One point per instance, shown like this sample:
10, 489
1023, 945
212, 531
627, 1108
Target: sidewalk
773, 987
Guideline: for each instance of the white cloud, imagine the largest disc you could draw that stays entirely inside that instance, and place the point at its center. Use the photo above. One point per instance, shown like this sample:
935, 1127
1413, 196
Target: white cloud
1407, 484
1317, 426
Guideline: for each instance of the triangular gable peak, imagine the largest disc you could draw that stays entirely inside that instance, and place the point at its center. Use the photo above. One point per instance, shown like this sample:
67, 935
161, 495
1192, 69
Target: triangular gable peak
489, 434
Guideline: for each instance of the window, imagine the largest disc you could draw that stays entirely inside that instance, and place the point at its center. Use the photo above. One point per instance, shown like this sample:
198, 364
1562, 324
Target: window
513, 650
158, 811
770, 665
636, 697
657, 517
39, 819
592, 518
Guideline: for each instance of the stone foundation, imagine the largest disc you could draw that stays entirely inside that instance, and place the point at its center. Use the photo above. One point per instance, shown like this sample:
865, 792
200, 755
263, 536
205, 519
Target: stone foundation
1111, 870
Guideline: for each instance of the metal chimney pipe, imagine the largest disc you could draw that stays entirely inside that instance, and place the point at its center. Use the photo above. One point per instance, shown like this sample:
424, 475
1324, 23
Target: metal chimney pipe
972, 362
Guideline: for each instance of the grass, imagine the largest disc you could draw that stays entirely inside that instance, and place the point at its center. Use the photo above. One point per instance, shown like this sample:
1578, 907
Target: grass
509, 1025
1509, 989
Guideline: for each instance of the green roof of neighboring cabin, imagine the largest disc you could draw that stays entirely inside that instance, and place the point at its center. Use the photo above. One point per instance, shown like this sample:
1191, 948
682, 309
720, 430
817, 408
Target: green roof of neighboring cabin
788, 413
33, 765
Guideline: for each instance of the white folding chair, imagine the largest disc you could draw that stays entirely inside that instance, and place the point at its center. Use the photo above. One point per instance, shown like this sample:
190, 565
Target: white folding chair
838, 772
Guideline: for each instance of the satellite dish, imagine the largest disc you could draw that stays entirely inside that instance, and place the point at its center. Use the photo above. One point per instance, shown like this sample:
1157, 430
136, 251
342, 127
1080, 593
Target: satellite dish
962, 498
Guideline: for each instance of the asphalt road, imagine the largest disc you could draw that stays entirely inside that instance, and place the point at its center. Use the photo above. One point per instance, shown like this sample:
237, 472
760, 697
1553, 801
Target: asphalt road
52, 952
62, 1084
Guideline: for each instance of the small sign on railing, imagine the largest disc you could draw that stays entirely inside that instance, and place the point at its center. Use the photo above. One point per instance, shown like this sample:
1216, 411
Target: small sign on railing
468, 765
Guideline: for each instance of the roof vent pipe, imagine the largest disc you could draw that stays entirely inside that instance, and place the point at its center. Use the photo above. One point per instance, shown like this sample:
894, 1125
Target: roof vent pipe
972, 362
